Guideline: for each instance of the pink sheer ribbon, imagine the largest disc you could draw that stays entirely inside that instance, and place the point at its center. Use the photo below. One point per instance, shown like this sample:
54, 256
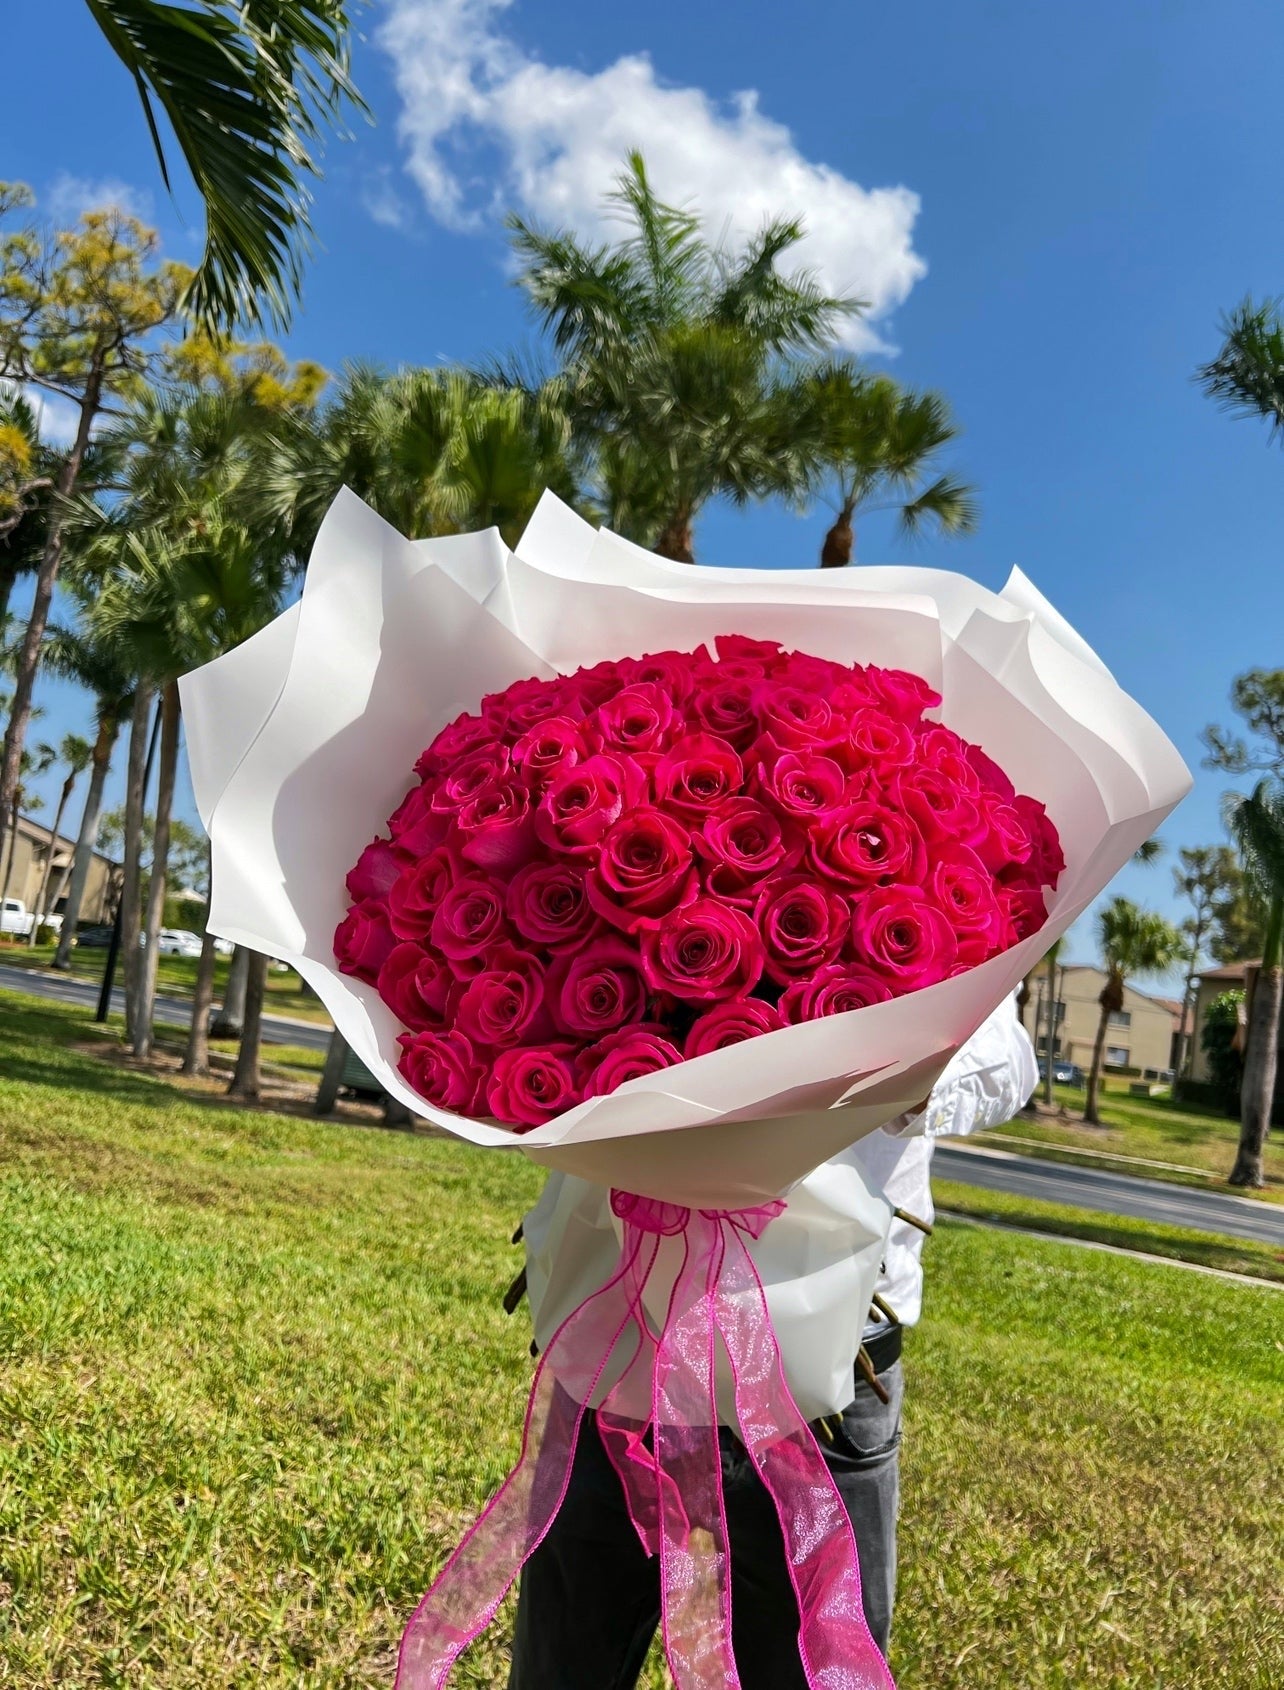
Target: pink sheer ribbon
670, 1464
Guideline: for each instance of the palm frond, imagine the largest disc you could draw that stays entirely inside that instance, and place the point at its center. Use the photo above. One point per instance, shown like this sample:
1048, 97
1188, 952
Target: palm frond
245, 86
1247, 375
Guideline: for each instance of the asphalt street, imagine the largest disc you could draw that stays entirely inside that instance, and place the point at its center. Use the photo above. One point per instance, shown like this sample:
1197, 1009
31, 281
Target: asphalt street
993, 1170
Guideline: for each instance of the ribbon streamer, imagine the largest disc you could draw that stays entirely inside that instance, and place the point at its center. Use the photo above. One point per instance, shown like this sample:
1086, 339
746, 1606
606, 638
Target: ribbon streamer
670, 1465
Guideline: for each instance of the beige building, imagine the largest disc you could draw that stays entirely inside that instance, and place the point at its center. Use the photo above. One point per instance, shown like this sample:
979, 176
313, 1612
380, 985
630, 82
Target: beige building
1139, 1037
22, 867
1234, 977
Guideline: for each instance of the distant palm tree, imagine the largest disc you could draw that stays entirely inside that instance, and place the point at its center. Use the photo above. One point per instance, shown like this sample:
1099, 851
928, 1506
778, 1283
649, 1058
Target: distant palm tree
875, 447
681, 358
1132, 941
74, 754
1256, 823
1247, 375
36, 760
244, 86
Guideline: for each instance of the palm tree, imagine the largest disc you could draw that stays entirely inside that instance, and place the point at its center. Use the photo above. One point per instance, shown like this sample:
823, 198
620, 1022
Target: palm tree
99, 666
681, 358
1256, 823
1247, 375
1051, 959
1132, 941
874, 447
74, 753
36, 761
245, 89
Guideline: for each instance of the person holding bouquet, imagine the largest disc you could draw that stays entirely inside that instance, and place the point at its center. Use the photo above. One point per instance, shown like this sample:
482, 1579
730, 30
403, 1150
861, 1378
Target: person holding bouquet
589, 1600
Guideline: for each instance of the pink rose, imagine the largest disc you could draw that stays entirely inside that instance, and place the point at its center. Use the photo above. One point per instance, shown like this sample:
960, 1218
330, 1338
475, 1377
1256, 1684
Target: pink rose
744, 842
672, 671
901, 693
375, 871
363, 940
442, 1068
454, 741
530, 1085
417, 894
640, 719
463, 780
597, 989
504, 1003
417, 985
766, 654
605, 679
581, 803
704, 952
644, 870
1047, 859
990, 775
496, 829
964, 889
796, 718
470, 920
803, 925
901, 934
725, 710
817, 674
696, 775
942, 750
833, 990
864, 843
800, 784
415, 826
730, 1024
1003, 837
1025, 909
553, 744
624, 1055
548, 904
878, 742
940, 810
521, 705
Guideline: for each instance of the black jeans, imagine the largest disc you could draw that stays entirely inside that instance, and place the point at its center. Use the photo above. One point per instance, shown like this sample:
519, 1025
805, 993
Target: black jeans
590, 1596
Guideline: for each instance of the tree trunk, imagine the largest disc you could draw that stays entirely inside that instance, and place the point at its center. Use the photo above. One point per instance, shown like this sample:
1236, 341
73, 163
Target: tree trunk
1023, 1003
1111, 1000
1257, 1093
131, 878
1048, 1096
676, 541
46, 580
331, 1075
231, 1016
246, 1080
13, 841
836, 552
39, 911
8, 580
104, 744
150, 960
196, 1060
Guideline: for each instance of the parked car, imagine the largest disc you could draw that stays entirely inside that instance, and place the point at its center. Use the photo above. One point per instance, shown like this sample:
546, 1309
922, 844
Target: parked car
1067, 1073
178, 941
94, 938
17, 919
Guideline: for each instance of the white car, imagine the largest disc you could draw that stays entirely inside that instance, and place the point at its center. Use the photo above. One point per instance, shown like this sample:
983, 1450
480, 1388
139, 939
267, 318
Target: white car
177, 941
17, 919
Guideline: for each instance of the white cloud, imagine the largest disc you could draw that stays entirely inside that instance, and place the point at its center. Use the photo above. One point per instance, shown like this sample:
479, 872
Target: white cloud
56, 418
486, 127
69, 197
382, 201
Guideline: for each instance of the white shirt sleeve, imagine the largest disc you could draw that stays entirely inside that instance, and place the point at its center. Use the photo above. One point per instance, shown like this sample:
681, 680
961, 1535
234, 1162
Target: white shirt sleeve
986, 1083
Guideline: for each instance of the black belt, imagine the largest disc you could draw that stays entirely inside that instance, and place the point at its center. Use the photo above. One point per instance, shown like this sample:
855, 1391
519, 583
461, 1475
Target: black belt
884, 1347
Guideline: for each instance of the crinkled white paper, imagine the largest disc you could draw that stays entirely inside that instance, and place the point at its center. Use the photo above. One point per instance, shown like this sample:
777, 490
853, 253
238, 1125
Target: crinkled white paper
303, 741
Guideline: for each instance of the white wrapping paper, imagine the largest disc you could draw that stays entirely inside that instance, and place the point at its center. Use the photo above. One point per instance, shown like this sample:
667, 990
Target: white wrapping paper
303, 740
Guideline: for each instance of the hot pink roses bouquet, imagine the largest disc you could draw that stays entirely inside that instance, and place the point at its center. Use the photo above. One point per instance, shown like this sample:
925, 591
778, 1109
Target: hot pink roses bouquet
683, 925
649, 859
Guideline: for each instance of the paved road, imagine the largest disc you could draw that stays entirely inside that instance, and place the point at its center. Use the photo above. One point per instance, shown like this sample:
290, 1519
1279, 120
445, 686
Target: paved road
175, 1012
995, 1170
1115, 1194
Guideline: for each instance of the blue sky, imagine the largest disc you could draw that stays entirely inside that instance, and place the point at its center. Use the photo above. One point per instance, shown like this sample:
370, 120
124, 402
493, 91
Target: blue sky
1049, 208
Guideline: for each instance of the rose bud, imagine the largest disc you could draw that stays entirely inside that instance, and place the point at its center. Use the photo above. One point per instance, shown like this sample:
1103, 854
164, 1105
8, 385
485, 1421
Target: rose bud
470, 920
803, 926
643, 871
363, 940
624, 1055
442, 1068
731, 1024
581, 803
696, 775
703, 952
548, 904
504, 1003
832, 990
597, 989
530, 1085
417, 985
899, 933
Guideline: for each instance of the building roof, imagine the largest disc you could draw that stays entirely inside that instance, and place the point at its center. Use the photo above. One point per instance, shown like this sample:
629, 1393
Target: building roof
30, 826
1178, 1011
1234, 971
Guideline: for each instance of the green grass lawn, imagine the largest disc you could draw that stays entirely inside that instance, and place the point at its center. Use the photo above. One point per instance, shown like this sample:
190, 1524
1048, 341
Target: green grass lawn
1153, 1129
176, 976
254, 1381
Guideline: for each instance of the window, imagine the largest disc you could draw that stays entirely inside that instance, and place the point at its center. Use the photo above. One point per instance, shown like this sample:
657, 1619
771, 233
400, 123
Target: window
1116, 1056
1120, 1018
